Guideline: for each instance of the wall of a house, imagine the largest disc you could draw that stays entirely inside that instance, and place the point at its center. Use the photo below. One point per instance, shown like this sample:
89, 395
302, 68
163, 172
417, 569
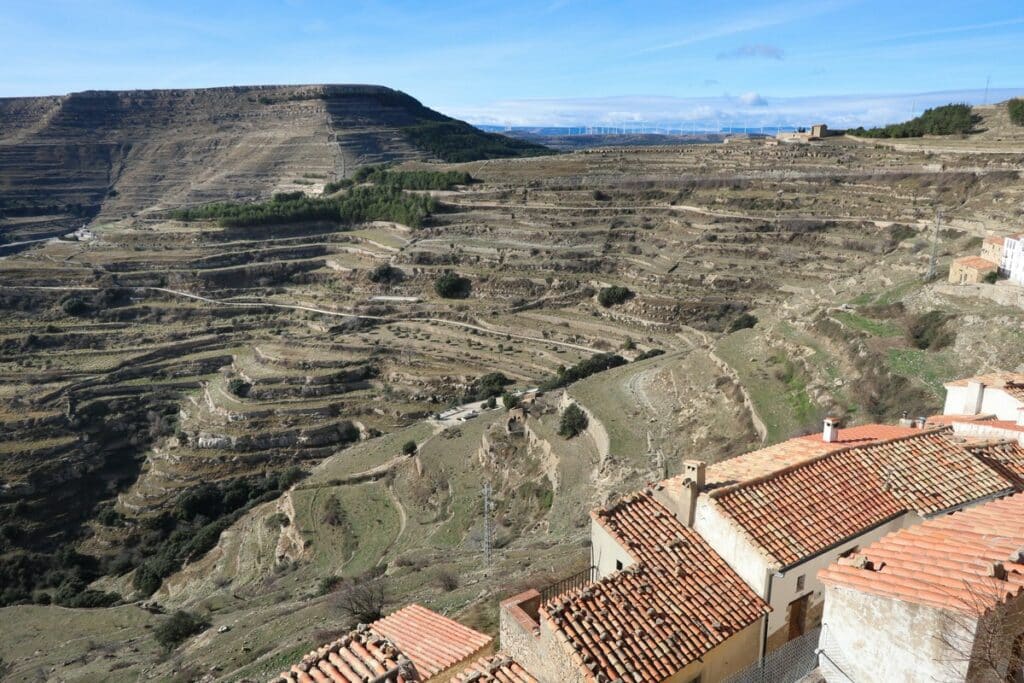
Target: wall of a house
735, 547
605, 551
531, 641
872, 639
785, 591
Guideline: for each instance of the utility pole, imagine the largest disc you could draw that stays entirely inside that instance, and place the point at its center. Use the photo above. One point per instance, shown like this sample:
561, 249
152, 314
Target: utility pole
933, 260
988, 79
487, 523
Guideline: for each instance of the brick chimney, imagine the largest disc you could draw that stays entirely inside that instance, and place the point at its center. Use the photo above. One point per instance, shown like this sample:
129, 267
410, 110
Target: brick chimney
830, 432
694, 477
972, 397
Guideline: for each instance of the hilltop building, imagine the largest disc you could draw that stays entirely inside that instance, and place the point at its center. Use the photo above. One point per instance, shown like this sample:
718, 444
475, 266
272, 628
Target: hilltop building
940, 601
1003, 255
971, 270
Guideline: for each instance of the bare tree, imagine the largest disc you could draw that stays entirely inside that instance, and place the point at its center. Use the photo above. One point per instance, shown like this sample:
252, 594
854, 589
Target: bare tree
362, 600
984, 634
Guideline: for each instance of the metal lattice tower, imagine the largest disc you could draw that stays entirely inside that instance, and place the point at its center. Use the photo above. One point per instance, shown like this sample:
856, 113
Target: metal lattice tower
933, 260
487, 523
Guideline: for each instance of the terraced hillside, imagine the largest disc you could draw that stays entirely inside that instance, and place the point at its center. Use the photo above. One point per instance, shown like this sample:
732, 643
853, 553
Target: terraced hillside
65, 159
214, 416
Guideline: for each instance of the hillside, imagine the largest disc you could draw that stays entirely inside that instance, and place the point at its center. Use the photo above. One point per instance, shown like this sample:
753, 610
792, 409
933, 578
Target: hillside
66, 159
211, 416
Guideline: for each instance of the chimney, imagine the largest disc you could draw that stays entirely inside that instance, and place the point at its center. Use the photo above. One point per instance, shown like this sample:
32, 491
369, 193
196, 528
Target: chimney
694, 477
830, 433
972, 399
1020, 416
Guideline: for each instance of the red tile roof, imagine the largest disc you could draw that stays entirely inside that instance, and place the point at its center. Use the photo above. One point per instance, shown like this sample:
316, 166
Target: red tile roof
772, 458
797, 512
975, 262
407, 646
497, 668
1004, 457
679, 600
994, 239
995, 380
357, 657
433, 642
946, 562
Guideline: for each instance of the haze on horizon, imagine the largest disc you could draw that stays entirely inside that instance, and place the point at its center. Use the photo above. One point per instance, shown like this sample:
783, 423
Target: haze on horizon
544, 62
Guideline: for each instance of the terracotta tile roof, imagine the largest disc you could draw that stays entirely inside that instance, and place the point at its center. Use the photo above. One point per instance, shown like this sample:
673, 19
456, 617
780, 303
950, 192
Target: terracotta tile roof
433, 642
975, 262
497, 668
357, 657
995, 380
799, 511
407, 646
1004, 457
994, 239
645, 623
946, 562
781, 455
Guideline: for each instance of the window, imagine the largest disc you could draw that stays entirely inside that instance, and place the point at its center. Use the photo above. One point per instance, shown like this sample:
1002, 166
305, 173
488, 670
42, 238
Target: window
618, 564
800, 582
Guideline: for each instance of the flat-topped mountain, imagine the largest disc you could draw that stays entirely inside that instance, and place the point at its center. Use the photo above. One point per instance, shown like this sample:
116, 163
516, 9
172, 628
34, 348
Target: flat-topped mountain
121, 152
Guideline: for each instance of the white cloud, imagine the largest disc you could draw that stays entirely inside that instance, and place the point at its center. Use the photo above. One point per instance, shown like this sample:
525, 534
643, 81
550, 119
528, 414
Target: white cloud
755, 51
752, 99
753, 109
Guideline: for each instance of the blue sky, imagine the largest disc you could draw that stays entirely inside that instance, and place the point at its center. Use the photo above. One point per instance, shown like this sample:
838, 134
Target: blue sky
568, 62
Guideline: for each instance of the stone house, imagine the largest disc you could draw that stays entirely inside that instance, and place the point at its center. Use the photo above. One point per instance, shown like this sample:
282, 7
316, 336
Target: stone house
665, 607
971, 270
941, 601
992, 248
780, 515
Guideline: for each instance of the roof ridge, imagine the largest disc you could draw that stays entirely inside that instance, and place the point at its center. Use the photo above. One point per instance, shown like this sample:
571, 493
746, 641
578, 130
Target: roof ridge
725, 490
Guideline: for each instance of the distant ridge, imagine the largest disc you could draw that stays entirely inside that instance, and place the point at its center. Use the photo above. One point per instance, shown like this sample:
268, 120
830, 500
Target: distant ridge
100, 152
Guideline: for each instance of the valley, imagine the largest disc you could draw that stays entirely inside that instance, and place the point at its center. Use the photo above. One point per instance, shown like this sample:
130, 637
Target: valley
214, 418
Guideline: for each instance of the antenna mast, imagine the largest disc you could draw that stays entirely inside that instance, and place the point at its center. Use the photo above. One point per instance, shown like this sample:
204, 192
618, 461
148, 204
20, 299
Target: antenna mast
487, 523
932, 261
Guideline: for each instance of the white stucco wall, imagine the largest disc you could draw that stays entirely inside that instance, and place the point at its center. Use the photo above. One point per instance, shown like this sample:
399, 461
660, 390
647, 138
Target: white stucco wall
736, 548
605, 551
993, 402
983, 430
784, 588
877, 639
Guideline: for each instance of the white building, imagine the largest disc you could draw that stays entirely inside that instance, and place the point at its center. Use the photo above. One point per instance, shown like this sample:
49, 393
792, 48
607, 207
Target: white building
998, 395
1012, 263
942, 601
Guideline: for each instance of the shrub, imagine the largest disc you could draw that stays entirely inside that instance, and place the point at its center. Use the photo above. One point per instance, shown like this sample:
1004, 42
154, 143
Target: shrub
743, 321
990, 278
650, 353
178, 628
1016, 109
146, 580
363, 600
928, 331
386, 274
239, 387
452, 286
446, 580
510, 401
489, 385
573, 421
583, 369
949, 119
610, 296
409, 447
334, 514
